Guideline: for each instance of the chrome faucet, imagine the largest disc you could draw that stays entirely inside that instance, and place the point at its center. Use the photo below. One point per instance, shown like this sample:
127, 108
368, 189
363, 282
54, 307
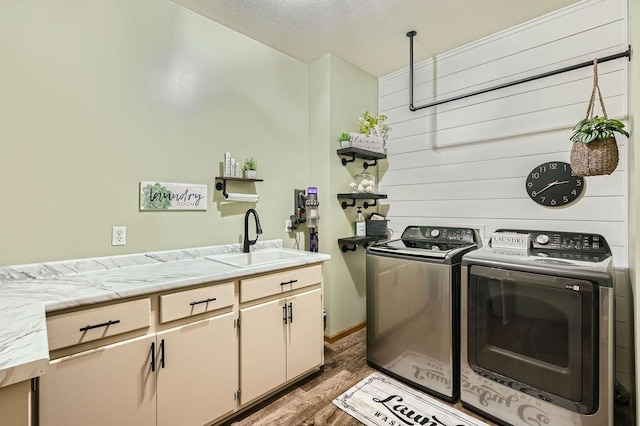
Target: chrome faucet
247, 242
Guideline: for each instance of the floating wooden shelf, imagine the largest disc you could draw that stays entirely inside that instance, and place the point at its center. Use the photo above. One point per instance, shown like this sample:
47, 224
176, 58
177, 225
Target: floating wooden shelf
352, 243
361, 196
360, 153
222, 186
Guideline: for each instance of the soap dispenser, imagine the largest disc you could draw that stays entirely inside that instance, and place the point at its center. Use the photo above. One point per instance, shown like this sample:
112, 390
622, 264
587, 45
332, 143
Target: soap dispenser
361, 229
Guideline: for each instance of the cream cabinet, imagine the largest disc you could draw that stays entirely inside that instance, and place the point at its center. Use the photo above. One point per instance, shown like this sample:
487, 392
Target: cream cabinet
15, 404
197, 372
180, 358
279, 340
106, 386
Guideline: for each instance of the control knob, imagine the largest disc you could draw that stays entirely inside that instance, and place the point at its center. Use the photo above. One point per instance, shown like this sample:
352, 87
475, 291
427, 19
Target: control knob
435, 233
542, 239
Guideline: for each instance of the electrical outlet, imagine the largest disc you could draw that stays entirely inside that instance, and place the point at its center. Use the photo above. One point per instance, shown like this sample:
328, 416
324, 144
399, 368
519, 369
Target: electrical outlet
287, 225
118, 235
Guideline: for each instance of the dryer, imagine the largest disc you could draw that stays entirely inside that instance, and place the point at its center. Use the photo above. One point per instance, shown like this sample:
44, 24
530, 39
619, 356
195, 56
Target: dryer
537, 330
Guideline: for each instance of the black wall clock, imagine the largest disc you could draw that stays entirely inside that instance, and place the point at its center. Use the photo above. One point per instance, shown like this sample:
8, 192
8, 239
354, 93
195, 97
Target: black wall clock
553, 184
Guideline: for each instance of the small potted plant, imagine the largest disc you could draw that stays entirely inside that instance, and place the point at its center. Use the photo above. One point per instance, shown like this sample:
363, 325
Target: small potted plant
249, 167
594, 151
345, 140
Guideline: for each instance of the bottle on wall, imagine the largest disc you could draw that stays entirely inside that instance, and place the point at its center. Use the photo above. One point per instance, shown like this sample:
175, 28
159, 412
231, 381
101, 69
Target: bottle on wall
361, 229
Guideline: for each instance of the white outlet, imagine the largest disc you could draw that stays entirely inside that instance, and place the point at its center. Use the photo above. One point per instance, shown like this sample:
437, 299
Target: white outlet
118, 235
287, 226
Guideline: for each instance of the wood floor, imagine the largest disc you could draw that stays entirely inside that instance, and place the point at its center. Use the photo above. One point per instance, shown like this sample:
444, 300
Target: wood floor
309, 402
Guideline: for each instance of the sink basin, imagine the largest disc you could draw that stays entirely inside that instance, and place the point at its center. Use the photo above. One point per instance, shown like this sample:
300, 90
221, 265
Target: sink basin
257, 257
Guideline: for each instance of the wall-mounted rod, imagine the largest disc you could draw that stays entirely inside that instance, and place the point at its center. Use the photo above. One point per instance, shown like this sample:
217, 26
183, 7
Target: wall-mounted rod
412, 34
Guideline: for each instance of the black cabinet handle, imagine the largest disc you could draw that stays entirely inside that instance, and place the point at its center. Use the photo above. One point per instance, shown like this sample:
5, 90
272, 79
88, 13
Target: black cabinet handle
104, 324
288, 282
153, 356
284, 313
162, 353
202, 301
291, 313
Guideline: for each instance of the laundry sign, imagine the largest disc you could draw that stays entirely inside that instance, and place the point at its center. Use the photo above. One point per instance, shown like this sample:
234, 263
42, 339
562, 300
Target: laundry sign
172, 196
510, 240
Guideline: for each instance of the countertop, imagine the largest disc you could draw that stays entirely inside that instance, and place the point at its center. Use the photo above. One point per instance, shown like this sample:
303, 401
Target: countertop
28, 292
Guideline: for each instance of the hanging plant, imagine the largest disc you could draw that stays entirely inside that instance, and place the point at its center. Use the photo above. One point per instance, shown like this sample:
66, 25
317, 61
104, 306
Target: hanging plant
596, 128
594, 151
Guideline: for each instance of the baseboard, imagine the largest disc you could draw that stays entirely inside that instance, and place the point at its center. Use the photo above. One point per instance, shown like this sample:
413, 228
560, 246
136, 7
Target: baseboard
345, 332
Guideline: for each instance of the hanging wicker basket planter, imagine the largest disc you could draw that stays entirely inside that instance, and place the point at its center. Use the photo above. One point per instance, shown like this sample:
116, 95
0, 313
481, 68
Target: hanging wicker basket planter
594, 158
594, 151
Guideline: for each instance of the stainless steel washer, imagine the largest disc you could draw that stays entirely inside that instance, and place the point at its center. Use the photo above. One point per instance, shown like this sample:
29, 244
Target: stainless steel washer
413, 299
537, 330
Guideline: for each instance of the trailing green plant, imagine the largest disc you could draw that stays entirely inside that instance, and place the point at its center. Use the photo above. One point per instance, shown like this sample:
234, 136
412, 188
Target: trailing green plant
596, 128
250, 164
344, 137
374, 125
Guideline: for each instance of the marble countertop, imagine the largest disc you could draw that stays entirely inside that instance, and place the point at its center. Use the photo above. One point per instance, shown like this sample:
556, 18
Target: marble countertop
28, 292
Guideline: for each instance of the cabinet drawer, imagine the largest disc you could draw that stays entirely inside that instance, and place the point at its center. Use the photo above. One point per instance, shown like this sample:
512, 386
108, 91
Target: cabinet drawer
279, 282
192, 302
97, 323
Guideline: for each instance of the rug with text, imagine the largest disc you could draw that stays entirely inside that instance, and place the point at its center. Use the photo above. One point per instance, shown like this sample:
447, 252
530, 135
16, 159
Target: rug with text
381, 401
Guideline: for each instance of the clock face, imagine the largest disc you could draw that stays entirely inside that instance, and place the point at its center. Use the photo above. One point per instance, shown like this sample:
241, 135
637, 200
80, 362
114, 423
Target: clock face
553, 184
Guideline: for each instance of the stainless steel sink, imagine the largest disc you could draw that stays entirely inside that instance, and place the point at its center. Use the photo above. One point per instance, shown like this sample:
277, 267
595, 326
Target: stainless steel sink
242, 260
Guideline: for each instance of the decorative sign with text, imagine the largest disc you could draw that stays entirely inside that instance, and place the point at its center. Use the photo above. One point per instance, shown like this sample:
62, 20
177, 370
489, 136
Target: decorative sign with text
172, 196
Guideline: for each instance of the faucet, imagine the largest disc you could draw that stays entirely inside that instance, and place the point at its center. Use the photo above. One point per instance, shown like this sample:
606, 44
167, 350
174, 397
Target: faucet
247, 242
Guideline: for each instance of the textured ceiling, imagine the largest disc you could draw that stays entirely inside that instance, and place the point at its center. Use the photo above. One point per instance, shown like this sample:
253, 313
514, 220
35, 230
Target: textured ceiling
370, 34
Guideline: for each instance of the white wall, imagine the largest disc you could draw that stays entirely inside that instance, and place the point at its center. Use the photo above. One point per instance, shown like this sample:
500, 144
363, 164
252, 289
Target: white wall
634, 179
465, 162
97, 95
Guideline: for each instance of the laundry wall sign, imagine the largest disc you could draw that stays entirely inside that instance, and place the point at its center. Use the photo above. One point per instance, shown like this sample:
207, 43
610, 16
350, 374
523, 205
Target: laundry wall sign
172, 196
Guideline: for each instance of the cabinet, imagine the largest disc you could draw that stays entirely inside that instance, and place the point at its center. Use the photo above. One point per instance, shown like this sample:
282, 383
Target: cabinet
184, 375
197, 373
174, 358
110, 385
281, 329
15, 404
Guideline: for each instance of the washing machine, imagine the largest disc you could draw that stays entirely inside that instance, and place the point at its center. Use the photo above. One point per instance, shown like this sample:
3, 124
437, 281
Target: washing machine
537, 329
413, 299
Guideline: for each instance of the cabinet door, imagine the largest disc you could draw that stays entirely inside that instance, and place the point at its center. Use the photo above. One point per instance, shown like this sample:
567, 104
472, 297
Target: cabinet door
262, 349
197, 372
111, 385
15, 404
305, 342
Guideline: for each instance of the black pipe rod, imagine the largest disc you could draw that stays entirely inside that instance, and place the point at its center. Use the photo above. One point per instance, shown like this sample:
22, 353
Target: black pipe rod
411, 34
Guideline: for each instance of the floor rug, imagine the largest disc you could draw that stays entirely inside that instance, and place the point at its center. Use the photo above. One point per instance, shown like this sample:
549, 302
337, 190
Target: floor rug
381, 401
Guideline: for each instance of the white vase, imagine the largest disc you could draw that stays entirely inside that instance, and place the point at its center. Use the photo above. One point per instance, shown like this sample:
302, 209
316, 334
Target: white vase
250, 174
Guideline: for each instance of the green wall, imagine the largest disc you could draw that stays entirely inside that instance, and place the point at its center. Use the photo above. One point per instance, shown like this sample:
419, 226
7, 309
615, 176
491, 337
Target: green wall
339, 93
97, 95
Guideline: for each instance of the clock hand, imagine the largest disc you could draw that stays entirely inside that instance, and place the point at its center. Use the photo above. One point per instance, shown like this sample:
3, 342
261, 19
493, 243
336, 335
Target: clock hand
564, 181
549, 185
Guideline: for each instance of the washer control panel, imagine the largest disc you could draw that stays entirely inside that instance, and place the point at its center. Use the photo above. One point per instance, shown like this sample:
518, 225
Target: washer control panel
567, 241
433, 233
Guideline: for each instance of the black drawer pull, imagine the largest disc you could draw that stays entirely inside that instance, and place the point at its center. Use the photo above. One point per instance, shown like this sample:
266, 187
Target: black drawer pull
291, 313
162, 353
284, 313
104, 324
153, 356
289, 282
211, 299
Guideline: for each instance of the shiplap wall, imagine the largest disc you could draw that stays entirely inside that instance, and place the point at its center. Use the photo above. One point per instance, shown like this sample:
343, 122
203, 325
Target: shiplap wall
466, 162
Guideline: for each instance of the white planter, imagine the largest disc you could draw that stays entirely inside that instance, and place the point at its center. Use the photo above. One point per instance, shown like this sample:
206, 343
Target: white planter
250, 174
345, 144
